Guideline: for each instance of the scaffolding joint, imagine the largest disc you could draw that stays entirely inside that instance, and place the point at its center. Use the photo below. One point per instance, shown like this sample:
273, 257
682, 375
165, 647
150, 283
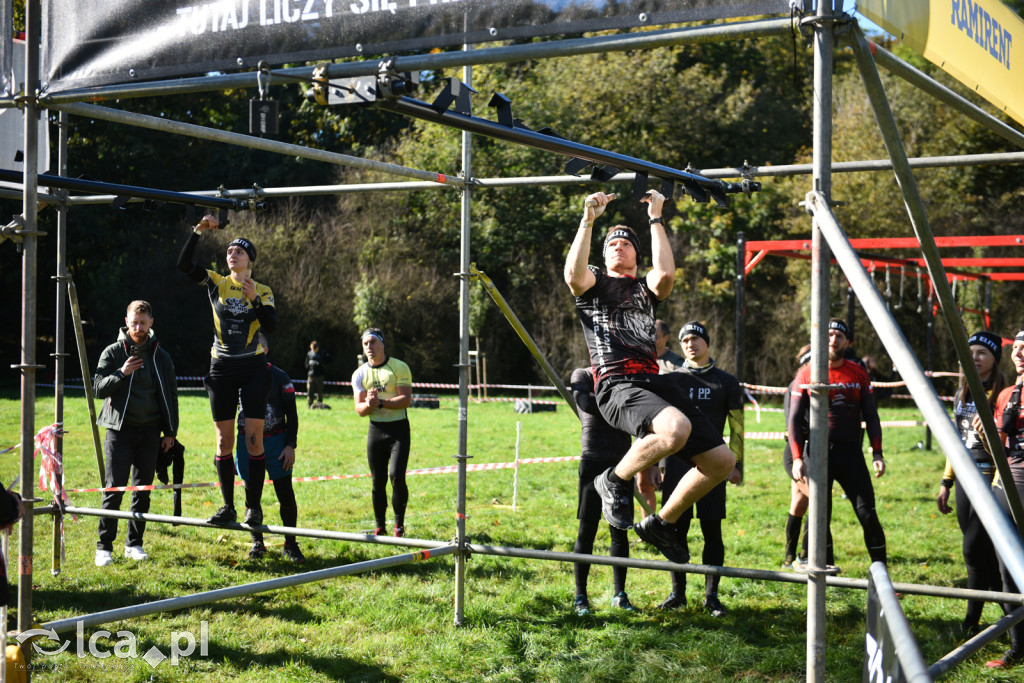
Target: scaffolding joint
27, 366
841, 19
827, 570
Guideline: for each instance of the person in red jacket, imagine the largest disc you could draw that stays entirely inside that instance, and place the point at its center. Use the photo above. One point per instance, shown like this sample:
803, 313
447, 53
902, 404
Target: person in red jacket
850, 401
1010, 421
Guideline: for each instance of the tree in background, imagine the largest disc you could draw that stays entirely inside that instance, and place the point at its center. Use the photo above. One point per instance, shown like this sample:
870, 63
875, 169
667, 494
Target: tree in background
333, 261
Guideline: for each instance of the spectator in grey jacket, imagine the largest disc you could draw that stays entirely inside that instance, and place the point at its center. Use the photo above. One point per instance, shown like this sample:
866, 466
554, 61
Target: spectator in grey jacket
135, 379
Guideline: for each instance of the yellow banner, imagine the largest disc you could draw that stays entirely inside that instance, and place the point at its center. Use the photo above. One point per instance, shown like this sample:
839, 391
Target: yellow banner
972, 40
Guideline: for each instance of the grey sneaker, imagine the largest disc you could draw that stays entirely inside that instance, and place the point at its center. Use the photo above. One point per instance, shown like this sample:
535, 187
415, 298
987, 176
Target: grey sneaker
292, 552
258, 550
664, 537
673, 601
616, 500
621, 601
254, 516
714, 606
581, 607
226, 515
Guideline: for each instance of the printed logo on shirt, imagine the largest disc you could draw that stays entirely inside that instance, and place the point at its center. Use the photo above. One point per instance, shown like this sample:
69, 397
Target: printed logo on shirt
235, 305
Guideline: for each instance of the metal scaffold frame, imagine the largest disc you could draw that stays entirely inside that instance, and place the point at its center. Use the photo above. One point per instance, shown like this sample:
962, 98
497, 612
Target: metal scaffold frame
827, 24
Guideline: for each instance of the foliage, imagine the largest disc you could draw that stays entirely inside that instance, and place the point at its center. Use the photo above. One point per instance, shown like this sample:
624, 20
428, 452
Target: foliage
392, 258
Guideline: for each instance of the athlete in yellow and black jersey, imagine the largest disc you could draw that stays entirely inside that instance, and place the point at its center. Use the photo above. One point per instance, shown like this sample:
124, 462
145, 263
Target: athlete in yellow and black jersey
238, 371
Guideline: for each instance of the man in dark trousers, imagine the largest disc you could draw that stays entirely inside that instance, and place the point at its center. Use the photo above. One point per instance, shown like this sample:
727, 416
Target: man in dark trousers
616, 308
135, 379
602, 447
719, 396
314, 376
850, 401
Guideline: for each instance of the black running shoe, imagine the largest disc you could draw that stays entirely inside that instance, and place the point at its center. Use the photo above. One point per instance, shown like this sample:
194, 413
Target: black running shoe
714, 606
621, 601
292, 552
616, 500
673, 601
258, 551
226, 515
664, 537
253, 516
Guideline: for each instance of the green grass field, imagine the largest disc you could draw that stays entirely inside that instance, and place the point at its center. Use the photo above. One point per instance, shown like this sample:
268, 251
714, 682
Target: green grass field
397, 623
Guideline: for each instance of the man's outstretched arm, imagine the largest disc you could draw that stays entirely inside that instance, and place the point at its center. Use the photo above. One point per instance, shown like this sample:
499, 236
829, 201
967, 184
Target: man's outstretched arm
577, 275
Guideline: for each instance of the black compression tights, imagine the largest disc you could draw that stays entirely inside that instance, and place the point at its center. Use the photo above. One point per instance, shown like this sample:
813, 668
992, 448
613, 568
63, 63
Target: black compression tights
585, 545
713, 554
979, 556
387, 453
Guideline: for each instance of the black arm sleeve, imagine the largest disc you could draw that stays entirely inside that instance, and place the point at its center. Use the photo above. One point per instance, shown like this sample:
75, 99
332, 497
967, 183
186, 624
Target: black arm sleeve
874, 425
185, 262
291, 419
8, 507
795, 425
267, 317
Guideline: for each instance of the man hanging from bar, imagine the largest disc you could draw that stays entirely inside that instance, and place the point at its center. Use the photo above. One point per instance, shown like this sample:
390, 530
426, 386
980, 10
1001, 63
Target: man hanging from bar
617, 310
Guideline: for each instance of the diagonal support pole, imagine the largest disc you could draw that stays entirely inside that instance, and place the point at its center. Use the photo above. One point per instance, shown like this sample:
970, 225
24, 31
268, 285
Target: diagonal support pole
1004, 535
531, 345
83, 358
923, 231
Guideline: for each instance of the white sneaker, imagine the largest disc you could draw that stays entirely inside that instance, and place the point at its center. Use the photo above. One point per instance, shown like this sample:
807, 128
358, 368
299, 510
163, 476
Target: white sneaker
103, 558
135, 552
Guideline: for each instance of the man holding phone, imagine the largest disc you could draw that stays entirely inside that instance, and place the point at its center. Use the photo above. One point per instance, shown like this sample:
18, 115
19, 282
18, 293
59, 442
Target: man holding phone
135, 379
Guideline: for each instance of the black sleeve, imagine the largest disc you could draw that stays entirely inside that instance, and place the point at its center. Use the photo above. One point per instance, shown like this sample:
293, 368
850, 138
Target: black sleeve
108, 373
8, 507
291, 418
796, 423
186, 264
267, 317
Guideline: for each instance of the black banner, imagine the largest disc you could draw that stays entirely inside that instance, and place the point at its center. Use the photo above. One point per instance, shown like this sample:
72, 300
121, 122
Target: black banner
99, 42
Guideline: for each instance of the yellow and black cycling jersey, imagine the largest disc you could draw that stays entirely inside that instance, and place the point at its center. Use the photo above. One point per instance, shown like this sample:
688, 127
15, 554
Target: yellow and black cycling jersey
236, 320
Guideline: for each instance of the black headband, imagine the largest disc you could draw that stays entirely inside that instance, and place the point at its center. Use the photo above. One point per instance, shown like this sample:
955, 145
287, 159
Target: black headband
694, 327
840, 326
247, 246
625, 233
990, 340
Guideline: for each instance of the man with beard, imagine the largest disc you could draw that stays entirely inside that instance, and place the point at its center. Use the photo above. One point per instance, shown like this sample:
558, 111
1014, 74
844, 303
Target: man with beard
135, 379
720, 397
616, 309
849, 402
